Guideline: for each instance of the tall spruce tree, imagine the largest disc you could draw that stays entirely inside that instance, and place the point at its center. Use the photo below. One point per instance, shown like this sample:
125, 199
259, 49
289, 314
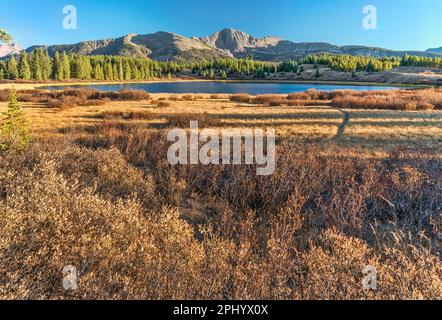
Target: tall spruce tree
65, 66
127, 70
57, 70
24, 70
12, 69
14, 131
36, 71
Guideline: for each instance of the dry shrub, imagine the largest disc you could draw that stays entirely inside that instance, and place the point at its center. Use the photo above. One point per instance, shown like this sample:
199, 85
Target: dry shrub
241, 98
408, 100
188, 97
215, 96
82, 93
174, 97
65, 102
334, 270
4, 95
73, 97
118, 210
130, 115
163, 104
108, 242
272, 100
313, 94
133, 95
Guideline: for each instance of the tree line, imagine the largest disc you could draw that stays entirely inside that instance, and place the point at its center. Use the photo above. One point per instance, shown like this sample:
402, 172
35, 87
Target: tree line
39, 66
349, 63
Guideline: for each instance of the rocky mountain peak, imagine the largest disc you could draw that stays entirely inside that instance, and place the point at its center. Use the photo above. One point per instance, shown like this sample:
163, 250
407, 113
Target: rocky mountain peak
234, 41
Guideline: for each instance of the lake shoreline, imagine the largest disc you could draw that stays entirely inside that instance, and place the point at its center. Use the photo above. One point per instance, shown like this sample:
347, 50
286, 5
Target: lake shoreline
40, 85
226, 87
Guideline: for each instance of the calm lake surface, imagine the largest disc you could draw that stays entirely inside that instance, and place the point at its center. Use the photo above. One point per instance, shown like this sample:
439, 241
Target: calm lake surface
223, 87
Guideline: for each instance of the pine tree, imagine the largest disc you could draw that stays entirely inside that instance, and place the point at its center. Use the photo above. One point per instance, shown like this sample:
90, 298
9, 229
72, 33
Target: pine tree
14, 128
57, 73
127, 70
120, 71
12, 69
46, 64
65, 66
36, 66
108, 72
24, 70
2, 71
98, 72
115, 72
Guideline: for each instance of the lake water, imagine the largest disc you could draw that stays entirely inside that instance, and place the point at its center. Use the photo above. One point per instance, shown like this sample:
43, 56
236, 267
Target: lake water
223, 87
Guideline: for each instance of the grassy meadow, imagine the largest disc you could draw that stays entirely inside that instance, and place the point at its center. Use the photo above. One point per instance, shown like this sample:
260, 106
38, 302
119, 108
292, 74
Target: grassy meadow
358, 182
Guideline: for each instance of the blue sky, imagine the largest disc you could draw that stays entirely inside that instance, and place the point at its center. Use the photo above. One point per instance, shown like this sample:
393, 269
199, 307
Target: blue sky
402, 24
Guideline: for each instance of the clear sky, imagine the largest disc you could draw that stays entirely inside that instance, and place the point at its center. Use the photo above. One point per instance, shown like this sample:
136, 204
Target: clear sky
402, 24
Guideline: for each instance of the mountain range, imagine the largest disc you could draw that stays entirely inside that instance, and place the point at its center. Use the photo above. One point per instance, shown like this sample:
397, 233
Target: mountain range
225, 43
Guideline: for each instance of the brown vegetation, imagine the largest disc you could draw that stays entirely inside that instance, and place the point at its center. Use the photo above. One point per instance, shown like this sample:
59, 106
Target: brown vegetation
76, 97
104, 199
182, 120
409, 100
137, 227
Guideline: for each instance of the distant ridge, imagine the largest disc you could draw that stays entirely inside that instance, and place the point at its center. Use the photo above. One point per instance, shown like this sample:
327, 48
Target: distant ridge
435, 50
164, 46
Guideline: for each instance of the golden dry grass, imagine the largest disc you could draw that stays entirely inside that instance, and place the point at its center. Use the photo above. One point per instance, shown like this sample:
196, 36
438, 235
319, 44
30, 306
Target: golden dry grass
370, 128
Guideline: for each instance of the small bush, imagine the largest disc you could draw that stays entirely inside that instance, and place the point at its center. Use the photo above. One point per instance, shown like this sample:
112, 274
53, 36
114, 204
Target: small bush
241, 98
163, 104
132, 115
134, 95
188, 97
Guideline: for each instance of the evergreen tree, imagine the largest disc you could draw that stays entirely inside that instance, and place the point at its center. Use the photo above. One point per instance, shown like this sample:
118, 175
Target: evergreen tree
73, 62
14, 129
46, 64
115, 72
12, 69
65, 66
24, 70
2, 70
127, 70
57, 73
108, 72
120, 70
98, 72
36, 73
